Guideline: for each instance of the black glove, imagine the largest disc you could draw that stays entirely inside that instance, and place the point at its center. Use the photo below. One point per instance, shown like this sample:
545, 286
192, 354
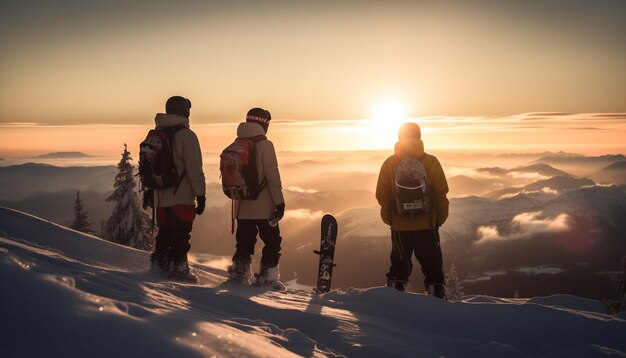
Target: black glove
280, 212
201, 203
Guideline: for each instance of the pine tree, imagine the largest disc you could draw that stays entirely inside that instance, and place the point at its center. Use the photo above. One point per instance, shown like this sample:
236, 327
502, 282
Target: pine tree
454, 287
615, 306
81, 222
129, 224
619, 282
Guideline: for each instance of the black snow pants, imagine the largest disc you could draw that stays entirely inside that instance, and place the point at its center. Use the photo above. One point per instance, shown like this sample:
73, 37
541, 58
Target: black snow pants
175, 224
247, 230
424, 244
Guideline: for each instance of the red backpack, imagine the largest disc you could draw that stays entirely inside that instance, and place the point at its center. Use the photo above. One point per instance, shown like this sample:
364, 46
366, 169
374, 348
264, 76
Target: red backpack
238, 169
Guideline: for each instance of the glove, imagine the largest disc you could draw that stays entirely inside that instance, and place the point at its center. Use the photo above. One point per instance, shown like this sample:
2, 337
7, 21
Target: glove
201, 200
280, 212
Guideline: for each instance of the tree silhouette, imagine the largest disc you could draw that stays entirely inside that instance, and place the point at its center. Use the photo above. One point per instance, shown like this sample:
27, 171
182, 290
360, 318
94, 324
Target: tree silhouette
81, 222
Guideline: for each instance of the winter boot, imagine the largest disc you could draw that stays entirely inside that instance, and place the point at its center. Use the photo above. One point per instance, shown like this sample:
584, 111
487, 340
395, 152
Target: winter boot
239, 272
437, 290
158, 263
267, 275
179, 271
399, 285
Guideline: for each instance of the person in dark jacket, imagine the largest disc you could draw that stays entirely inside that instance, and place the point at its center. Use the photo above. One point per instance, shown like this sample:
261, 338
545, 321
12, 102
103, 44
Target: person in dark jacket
414, 235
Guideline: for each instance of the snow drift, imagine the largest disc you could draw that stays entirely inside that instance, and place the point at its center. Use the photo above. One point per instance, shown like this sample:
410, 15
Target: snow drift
73, 295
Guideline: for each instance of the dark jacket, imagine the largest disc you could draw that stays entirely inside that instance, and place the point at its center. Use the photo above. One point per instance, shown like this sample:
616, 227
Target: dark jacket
436, 179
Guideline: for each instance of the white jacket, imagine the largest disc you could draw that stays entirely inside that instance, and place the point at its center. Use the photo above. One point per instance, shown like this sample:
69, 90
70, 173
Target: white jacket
267, 165
188, 159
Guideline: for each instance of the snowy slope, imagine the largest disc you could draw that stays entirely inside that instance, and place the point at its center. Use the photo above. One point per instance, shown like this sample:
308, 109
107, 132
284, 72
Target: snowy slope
73, 295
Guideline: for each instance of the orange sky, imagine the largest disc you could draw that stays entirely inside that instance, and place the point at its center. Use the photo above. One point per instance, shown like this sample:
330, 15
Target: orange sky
116, 62
88, 76
591, 134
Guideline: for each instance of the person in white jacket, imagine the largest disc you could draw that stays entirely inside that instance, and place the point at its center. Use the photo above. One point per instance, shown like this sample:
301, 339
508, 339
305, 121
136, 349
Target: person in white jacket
259, 216
177, 207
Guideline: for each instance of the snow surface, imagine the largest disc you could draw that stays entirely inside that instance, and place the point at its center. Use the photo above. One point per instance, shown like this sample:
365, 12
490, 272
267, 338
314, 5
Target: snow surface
68, 294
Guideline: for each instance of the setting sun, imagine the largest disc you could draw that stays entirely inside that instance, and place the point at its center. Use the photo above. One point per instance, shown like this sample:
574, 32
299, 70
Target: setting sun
388, 115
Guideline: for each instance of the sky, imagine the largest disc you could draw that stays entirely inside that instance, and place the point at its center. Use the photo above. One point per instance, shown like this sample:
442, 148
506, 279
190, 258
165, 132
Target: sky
70, 64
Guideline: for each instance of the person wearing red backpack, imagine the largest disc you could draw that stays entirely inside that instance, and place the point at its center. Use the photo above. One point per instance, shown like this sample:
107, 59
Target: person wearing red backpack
260, 213
177, 206
414, 209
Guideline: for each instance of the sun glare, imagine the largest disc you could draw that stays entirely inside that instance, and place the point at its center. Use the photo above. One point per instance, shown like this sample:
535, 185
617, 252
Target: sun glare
387, 117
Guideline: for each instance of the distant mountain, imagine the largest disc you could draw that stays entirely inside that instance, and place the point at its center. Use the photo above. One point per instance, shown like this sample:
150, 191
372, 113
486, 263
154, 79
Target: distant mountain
19, 181
560, 154
554, 185
493, 171
582, 165
496, 181
539, 168
612, 174
611, 158
61, 155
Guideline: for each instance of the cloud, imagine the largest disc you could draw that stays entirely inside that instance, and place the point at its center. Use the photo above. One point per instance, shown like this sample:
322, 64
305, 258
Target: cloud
524, 226
488, 233
530, 223
298, 189
544, 190
528, 175
303, 214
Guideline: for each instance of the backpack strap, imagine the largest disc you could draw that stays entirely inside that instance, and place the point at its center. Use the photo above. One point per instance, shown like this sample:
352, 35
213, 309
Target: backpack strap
171, 132
255, 140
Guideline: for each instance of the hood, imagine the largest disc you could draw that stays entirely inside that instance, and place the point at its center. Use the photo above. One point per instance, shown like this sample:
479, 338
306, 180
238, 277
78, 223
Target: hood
409, 146
163, 120
249, 130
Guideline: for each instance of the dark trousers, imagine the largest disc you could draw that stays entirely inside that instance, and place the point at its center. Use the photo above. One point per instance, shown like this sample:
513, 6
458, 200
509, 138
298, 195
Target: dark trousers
247, 230
175, 224
424, 244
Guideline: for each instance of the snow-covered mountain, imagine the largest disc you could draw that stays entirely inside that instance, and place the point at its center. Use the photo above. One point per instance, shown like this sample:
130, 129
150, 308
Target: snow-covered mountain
69, 294
554, 185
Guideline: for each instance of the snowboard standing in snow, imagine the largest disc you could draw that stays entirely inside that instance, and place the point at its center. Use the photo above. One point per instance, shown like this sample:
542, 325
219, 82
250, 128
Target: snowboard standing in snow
327, 253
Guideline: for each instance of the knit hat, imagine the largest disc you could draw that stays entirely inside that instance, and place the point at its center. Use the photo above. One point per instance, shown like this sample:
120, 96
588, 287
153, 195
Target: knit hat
178, 105
260, 116
410, 130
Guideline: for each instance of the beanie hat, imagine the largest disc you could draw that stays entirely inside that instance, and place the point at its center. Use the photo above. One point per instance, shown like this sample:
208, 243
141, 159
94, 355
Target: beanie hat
260, 116
178, 105
410, 130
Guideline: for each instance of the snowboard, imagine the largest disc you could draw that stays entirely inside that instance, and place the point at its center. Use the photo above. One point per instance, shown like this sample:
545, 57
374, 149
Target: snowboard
326, 253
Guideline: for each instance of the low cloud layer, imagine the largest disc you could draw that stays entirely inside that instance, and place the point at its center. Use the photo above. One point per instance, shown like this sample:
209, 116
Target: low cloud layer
544, 190
524, 226
303, 214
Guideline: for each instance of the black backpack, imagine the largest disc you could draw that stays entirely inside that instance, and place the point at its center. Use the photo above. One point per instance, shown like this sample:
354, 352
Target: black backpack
157, 169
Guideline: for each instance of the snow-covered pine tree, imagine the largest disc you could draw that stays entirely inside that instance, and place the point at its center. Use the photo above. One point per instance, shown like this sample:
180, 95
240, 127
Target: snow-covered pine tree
454, 287
81, 222
129, 224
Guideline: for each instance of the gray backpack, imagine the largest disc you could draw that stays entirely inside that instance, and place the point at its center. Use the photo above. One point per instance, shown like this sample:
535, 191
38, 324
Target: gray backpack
411, 188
